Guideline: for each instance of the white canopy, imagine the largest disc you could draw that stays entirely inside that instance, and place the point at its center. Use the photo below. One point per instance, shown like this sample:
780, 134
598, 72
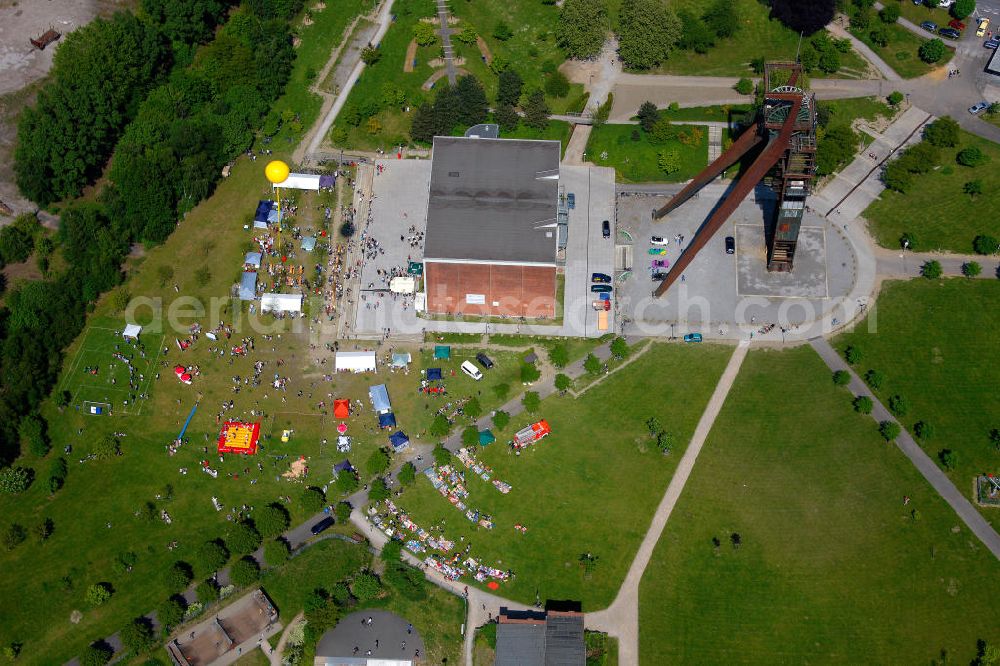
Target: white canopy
301, 181
132, 331
355, 361
402, 285
281, 303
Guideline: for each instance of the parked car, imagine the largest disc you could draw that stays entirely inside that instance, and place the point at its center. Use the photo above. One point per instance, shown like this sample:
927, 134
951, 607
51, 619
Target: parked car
659, 277
484, 360
983, 24
730, 245
322, 525
469, 368
658, 240
660, 263
600, 277
601, 305
656, 251
979, 108
991, 43
956, 24
929, 26
601, 288
949, 33
571, 201
692, 337
606, 228
945, 4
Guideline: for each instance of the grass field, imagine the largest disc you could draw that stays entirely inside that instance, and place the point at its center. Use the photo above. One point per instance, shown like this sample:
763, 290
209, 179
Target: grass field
717, 112
636, 160
933, 339
832, 568
917, 14
589, 487
846, 111
936, 210
901, 51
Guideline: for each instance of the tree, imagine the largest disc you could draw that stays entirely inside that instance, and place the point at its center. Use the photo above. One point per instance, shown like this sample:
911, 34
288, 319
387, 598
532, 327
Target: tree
932, 51
43, 529
370, 55
562, 382
971, 269
96, 654
471, 106
190, 22
424, 33
106, 447
531, 401
874, 378
556, 84
347, 229
896, 177
806, 17
211, 556
271, 520
392, 552
829, 61
582, 27
879, 34
57, 475
178, 576
407, 474
559, 355
863, 404
470, 436
366, 586
973, 188
501, 391
592, 364
529, 373
736, 540
995, 438
509, 87
931, 269
242, 538
695, 34
668, 161
343, 511
948, 458
378, 462
506, 117
347, 482
895, 98
889, 430
440, 426
723, 18
245, 571
14, 536
600, 117
137, 636
962, 9
898, 405
98, 594
984, 244
889, 14
11, 651
32, 431
14, 480
472, 408
442, 456
923, 430
313, 499
536, 111
15, 245
841, 378
943, 132
467, 35
171, 612
647, 31
502, 32
619, 348
648, 115
500, 419
744, 86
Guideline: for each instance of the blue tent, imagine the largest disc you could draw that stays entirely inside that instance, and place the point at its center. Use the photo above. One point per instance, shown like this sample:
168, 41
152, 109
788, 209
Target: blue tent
486, 437
248, 286
263, 208
343, 466
433, 373
275, 216
327, 181
442, 351
399, 440
309, 243
252, 259
380, 398
387, 420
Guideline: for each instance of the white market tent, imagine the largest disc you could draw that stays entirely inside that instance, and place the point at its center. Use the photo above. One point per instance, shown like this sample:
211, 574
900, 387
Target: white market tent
402, 285
281, 303
355, 361
132, 331
301, 181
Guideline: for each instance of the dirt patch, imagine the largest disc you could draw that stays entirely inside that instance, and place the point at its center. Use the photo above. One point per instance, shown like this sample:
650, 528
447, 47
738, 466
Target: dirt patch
307, 20
319, 6
411, 54
484, 49
296, 470
429, 83
27, 270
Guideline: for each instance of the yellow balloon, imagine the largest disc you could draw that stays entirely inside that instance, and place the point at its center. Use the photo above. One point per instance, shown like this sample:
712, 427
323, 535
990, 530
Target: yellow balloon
276, 171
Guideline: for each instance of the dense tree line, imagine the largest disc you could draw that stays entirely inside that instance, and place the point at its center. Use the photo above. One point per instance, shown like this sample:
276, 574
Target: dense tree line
648, 30
463, 104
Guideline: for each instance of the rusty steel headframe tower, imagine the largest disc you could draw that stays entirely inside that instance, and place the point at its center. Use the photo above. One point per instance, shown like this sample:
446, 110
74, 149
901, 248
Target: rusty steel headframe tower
785, 135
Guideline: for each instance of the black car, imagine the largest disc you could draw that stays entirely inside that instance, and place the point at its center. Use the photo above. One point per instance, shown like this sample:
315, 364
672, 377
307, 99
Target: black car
659, 277
929, 26
600, 277
730, 245
601, 288
322, 525
606, 228
484, 360
950, 33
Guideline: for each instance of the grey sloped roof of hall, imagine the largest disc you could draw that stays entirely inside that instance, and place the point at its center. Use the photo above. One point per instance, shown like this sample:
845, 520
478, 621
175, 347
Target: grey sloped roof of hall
564, 643
493, 200
520, 644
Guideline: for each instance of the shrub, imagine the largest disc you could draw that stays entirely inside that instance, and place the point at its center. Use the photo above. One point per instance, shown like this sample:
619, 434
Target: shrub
895, 98
744, 86
531, 401
366, 586
208, 591
898, 405
343, 512
529, 373
668, 161
98, 594
137, 636
875, 379
370, 55
211, 556
889, 430
502, 32
557, 85
32, 432
852, 354
501, 419
948, 458
971, 157
984, 244
863, 404
889, 14
841, 378
14, 536
923, 430
931, 269
932, 51
313, 499
276, 552
943, 132
14, 480
96, 654
242, 538
178, 576
971, 269
245, 571
619, 348
171, 612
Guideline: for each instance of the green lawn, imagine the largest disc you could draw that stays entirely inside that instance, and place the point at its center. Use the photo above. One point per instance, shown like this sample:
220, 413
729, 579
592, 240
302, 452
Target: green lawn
917, 14
934, 339
591, 486
832, 568
846, 111
901, 51
758, 36
717, 112
636, 160
935, 209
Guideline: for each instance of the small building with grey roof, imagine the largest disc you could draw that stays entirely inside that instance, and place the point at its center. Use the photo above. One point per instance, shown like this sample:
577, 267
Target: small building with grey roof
540, 638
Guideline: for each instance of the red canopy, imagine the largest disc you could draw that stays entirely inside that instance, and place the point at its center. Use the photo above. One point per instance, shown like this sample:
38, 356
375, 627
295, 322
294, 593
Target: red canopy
341, 408
179, 370
493, 585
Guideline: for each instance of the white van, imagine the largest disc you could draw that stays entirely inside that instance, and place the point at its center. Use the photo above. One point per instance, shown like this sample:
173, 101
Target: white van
469, 368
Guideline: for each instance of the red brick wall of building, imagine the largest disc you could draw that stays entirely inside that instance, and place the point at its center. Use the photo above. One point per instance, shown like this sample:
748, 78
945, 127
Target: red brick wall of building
519, 291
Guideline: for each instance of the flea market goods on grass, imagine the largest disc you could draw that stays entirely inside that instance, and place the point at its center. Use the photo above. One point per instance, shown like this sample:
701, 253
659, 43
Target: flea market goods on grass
831, 565
936, 343
589, 487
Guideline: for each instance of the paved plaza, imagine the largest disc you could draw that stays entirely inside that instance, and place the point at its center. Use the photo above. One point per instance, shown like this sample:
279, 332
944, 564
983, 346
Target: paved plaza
370, 636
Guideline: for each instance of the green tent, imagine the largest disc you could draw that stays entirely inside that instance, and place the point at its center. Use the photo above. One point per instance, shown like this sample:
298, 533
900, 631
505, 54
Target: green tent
486, 437
442, 351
